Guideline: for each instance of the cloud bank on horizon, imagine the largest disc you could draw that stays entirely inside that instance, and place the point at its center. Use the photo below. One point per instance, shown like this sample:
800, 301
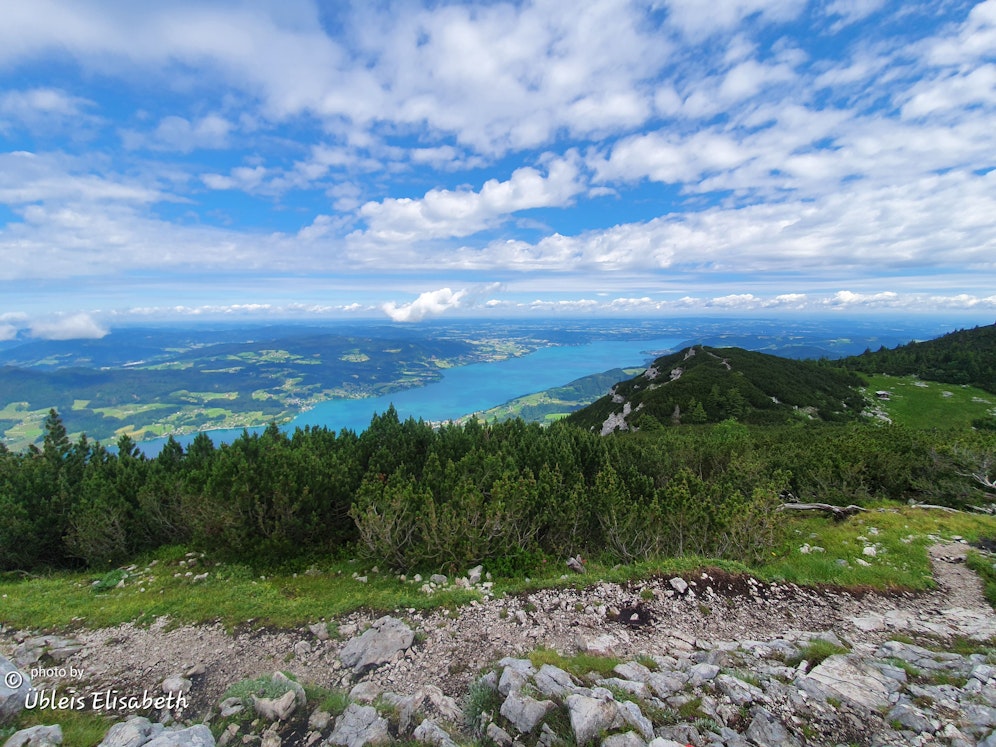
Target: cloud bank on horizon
207, 158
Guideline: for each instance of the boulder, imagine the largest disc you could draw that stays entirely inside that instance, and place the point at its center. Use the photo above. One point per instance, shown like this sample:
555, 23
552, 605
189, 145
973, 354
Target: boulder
852, 680
553, 681
767, 731
591, 717
14, 686
359, 726
134, 732
36, 736
626, 739
429, 732
194, 736
379, 644
275, 709
524, 712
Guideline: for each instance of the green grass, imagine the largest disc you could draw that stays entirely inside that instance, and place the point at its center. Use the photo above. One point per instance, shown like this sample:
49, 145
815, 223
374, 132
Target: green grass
580, 665
924, 404
815, 652
985, 566
235, 594
79, 728
900, 534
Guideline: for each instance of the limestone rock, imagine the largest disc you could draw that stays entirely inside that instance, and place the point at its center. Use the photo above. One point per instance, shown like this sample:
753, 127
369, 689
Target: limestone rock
524, 712
359, 726
134, 732
384, 640
429, 732
194, 736
275, 709
12, 698
36, 736
626, 739
856, 682
592, 716
553, 681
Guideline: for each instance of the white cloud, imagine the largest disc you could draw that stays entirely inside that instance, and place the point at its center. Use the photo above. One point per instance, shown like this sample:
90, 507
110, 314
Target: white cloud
848, 12
699, 21
430, 303
444, 213
182, 135
7, 332
72, 327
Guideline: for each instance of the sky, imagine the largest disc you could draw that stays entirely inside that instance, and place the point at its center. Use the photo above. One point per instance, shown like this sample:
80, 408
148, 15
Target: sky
205, 159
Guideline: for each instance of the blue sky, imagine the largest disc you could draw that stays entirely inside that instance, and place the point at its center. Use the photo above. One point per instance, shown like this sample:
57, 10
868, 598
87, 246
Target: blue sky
205, 159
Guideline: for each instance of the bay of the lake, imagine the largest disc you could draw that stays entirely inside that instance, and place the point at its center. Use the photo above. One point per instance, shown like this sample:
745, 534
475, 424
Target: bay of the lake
467, 389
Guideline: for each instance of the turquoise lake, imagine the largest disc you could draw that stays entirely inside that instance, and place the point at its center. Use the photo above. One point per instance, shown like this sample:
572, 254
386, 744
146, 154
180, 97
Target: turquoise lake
471, 388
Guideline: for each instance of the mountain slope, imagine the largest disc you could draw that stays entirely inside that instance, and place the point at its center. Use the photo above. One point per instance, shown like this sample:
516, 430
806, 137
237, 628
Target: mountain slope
703, 384
967, 356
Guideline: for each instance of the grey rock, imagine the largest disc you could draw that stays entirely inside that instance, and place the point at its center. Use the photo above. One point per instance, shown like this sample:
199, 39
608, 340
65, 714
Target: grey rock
851, 679
633, 716
699, 674
602, 645
438, 579
429, 732
498, 735
319, 720
230, 706
320, 631
134, 732
738, 691
553, 681
767, 731
524, 712
270, 739
384, 640
626, 739
639, 689
36, 736
364, 692
54, 647
474, 574
443, 704
912, 719
11, 698
512, 680
592, 716
665, 685
359, 726
194, 736
632, 670
275, 709
679, 584
661, 742
176, 685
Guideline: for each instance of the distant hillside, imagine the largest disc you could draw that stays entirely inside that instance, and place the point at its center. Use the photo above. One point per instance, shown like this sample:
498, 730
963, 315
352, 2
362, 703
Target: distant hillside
967, 356
704, 384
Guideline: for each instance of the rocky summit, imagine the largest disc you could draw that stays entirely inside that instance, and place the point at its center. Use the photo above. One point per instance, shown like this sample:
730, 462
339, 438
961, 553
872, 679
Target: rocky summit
705, 659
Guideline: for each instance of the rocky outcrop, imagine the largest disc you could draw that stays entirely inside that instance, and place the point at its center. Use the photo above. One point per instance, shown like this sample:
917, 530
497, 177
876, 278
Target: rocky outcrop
14, 686
382, 642
740, 693
36, 736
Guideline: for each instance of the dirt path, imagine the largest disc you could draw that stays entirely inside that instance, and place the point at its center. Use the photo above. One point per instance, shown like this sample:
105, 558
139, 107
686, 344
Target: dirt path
647, 617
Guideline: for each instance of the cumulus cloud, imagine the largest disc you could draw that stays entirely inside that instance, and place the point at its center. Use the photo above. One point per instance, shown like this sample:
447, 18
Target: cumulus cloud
72, 327
444, 213
430, 303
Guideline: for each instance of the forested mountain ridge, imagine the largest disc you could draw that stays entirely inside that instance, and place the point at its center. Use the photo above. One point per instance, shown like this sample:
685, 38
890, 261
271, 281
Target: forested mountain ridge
966, 356
702, 384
